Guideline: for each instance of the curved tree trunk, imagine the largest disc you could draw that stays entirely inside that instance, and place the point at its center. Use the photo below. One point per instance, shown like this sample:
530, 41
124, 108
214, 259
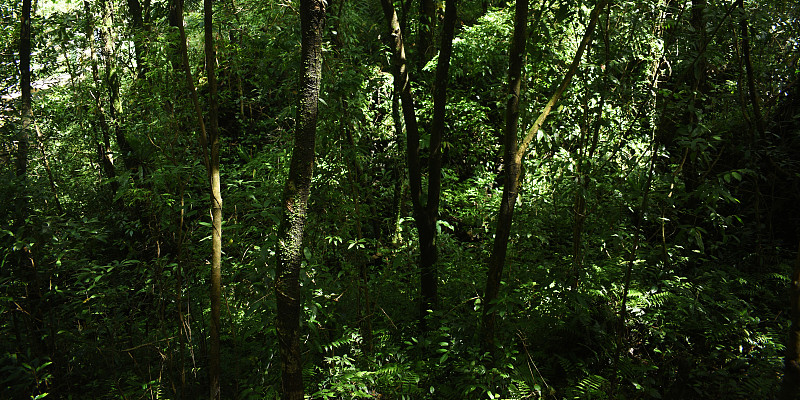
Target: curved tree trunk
295, 201
514, 155
512, 170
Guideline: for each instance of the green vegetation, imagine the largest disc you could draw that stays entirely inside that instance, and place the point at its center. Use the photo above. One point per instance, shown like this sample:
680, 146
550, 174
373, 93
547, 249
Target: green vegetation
655, 226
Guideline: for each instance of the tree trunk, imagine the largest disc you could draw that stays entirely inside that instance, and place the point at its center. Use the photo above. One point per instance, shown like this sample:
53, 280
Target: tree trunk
751, 85
514, 155
112, 82
216, 200
425, 215
295, 201
429, 276
512, 170
427, 25
27, 117
139, 39
104, 143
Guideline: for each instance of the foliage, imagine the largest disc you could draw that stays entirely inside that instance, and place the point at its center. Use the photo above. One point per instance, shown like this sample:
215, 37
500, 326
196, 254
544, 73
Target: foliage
106, 297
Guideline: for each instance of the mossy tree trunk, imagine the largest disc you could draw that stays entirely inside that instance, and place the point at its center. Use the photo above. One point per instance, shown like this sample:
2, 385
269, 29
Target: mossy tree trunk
295, 201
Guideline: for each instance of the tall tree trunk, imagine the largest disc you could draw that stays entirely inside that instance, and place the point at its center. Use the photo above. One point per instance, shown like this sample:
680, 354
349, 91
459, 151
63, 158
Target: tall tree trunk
429, 215
751, 85
112, 81
139, 37
182, 62
790, 387
514, 155
27, 115
295, 201
175, 20
512, 171
425, 214
427, 26
25, 255
216, 199
104, 143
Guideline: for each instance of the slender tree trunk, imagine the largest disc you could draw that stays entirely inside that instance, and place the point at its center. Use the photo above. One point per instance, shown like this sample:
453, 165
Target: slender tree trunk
25, 255
429, 276
512, 171
790, 387
139, 39
295, 201
425, 215
104, 144
27, 115
427, 26
751, 85
514, 155
49, 171
175, 19
216, 199
112, 82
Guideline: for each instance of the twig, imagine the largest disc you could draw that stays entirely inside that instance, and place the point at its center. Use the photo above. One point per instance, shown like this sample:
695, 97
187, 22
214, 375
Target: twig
148, 344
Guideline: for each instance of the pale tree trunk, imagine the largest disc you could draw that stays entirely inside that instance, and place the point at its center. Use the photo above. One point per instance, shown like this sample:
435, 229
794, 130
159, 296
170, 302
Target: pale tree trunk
295, 201
216, 200
182, 62
514, 155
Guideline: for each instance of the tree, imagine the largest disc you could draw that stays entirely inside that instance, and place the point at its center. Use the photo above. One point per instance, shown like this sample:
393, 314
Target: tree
26, 115
514, 154
216, 197
295, 201
138, 20
426, 210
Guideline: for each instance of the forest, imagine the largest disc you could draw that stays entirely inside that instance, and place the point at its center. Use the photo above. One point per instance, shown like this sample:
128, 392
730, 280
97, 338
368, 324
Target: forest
400, 199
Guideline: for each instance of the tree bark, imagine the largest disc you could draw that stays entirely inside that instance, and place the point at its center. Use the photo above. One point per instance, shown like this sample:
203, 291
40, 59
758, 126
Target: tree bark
427, 25
751, 85
104, 144
27, 115
514, 155
139, 39
425, 214
512, 171
295, 201
112, 84
216, 199
430, 214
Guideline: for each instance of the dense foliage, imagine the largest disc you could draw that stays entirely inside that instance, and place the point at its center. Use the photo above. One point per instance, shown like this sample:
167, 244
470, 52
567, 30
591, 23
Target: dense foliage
650, 254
